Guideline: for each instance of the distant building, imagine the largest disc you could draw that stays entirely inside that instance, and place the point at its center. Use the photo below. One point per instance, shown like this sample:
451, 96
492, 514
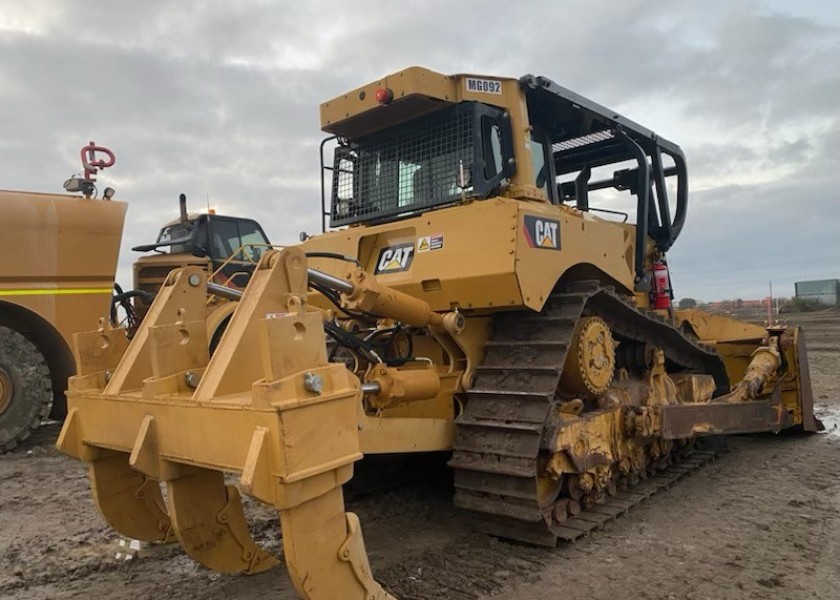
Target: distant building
741, 303
824, 291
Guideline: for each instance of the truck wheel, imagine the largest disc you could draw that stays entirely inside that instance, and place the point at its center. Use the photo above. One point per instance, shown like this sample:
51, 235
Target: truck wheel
25, 389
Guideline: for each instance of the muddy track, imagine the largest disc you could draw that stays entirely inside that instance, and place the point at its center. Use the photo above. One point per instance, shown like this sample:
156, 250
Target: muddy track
500, 436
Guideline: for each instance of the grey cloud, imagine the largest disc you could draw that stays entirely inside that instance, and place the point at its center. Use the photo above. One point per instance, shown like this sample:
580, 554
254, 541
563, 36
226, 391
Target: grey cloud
221, 99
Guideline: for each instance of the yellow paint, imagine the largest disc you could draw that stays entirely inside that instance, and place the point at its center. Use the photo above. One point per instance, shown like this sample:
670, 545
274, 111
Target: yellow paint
55, 292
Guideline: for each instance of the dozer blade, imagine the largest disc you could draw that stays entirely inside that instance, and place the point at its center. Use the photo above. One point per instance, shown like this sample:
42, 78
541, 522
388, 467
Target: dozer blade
130, 502
208, 520
810, 422
735, 341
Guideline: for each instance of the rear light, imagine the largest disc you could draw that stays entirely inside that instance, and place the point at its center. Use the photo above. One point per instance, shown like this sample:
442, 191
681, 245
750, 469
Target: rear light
384, 95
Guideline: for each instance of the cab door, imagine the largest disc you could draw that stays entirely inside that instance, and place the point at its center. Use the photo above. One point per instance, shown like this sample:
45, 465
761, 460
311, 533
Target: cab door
240, 240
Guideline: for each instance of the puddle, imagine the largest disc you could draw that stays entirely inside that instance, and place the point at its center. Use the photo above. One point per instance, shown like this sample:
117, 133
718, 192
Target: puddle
830, 417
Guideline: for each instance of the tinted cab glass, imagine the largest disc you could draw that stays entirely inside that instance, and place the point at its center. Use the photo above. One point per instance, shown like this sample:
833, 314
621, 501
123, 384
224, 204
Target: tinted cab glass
241, 240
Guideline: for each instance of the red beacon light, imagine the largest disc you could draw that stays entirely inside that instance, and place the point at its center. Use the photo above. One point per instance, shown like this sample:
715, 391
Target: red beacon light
384, 95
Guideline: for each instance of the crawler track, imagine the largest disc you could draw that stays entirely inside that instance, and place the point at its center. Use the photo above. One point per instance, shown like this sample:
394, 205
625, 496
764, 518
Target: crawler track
616, 506
504, 427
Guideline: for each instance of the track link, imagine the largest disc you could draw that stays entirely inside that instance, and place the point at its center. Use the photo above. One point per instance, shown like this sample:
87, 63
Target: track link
496, 459
615, 506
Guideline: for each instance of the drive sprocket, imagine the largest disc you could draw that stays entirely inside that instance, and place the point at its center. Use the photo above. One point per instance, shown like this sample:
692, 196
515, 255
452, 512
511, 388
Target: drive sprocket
590, 363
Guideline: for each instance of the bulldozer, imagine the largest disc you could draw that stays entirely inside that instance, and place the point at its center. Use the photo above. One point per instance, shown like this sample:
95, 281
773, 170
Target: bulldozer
469, 295
62, 282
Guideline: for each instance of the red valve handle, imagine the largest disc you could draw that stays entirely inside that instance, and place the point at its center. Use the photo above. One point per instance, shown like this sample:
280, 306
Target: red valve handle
90, 163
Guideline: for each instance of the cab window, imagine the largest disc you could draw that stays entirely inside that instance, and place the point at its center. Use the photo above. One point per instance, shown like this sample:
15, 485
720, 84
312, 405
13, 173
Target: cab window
225, 238
229, 235
253, 240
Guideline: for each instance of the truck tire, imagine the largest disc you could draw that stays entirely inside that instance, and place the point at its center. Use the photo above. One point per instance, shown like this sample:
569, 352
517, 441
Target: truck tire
25, 389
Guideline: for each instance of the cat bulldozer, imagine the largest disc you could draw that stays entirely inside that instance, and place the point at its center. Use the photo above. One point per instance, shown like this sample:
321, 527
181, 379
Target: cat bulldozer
61, 282
469, 296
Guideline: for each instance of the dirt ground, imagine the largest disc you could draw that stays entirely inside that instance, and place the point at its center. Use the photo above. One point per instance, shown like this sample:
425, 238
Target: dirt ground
763, 521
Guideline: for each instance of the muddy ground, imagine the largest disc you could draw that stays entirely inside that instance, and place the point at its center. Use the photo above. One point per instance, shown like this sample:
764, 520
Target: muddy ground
763, 521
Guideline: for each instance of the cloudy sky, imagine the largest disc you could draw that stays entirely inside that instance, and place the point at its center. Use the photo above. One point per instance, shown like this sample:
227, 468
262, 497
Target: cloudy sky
220, 100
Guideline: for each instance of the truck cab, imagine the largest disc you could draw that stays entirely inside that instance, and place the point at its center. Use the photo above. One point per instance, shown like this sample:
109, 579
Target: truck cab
227, 247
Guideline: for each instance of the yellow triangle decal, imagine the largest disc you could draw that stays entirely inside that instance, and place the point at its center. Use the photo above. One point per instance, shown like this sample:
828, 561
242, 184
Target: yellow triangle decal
393, 264
546, 242
424, 244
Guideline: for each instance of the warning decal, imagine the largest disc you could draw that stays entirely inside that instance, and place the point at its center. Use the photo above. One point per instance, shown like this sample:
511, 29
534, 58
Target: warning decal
430, 242
542, 233
393, 259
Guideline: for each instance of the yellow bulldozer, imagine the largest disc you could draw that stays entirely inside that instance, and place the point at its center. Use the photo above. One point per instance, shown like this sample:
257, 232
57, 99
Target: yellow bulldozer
469, 295
60, 281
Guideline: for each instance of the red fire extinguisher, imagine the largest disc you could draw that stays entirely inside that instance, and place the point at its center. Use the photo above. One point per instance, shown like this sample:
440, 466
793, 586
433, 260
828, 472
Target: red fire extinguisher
660, 293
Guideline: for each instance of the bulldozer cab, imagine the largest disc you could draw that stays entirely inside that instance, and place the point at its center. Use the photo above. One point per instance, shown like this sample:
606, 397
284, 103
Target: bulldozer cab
417, 141
425, 163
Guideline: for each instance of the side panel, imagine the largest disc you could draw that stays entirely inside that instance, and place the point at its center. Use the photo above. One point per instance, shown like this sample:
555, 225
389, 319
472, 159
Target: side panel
481, 256
65, 250
462, 256
552, 239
